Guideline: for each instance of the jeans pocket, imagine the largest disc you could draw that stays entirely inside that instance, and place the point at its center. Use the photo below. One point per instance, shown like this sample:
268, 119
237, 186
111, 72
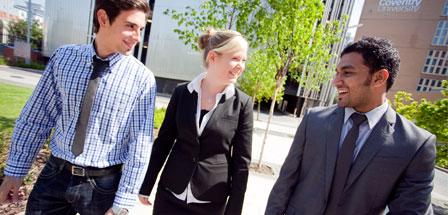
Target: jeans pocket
51, 169
106, 184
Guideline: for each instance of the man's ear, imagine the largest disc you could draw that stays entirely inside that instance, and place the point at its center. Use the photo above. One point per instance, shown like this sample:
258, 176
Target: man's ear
103, 19
380, 78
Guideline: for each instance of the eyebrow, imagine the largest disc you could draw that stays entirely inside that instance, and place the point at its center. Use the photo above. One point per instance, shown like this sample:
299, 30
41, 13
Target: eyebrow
132, 23
347, 67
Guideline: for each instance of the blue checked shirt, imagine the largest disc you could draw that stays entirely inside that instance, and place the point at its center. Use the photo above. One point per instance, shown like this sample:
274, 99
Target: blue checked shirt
120, 125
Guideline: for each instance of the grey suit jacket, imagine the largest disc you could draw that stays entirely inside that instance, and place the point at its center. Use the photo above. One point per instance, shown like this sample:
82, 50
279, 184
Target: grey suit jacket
395, 168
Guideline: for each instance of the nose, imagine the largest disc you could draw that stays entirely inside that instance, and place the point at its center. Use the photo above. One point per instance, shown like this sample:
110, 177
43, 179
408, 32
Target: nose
336, 81
137, 36
242, 65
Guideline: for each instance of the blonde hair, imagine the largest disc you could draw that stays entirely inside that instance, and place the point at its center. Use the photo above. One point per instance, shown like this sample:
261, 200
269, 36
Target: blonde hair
219, 41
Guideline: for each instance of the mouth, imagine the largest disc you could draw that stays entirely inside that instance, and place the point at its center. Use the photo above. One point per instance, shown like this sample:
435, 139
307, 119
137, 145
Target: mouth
342, 92
129, 43
235, 74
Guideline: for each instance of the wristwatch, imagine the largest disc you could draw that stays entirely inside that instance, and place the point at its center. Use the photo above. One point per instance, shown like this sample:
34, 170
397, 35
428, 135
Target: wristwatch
119, 211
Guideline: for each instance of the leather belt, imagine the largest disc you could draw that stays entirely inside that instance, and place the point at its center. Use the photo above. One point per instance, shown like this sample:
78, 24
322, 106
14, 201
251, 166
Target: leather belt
87, 171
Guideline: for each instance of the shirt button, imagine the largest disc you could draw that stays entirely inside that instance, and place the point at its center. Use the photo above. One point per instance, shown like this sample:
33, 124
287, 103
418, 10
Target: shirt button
194, 159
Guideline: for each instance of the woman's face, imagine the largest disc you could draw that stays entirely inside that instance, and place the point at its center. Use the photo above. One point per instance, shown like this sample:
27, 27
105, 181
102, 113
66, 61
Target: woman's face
227, 67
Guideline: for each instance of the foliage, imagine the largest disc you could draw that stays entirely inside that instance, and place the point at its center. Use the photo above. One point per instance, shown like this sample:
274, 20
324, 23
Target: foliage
442, 155
159, 116
432, 116
18, 30
258, 80
3, 61
220, 14
37, 66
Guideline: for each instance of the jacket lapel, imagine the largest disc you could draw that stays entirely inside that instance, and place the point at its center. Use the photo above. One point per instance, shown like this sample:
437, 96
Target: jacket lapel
333, 128
380, 135
189, 110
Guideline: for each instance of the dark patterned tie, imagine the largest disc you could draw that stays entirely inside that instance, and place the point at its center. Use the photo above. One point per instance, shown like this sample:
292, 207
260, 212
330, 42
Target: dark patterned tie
344, 162
83, 120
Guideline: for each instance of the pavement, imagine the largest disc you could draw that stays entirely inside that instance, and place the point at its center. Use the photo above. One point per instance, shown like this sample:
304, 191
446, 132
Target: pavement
281, 133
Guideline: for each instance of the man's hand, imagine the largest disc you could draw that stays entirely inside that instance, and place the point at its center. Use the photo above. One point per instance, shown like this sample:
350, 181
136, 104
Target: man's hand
110, 212
144, 200
9, 190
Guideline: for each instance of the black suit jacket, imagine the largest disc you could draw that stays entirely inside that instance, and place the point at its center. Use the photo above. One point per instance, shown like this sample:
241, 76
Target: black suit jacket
395, 168
217, 162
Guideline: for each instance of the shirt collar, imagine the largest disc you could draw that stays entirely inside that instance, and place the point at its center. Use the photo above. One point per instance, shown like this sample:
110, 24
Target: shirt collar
195, 85
373, 116
113, 58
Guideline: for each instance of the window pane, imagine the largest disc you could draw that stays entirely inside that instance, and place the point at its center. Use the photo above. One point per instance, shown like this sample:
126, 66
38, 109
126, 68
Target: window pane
433, 83
439, 84
430, 53
440, 24
428, 61
440, 62
443, 54
444, 32
436, 53
425, 69
421, 81
438, 32
434, 41
437, 70
444, 71
434, 61
424, 88
419, 88
431, 70
427, 81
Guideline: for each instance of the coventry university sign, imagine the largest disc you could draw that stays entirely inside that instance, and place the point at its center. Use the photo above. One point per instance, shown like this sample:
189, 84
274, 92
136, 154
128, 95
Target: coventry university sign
399, 5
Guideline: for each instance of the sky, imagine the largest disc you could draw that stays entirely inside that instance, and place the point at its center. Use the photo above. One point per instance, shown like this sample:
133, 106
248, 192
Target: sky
22, 2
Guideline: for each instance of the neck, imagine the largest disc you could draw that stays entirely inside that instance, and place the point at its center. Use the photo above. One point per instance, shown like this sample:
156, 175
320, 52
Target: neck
101, 46
376, 102
212, 85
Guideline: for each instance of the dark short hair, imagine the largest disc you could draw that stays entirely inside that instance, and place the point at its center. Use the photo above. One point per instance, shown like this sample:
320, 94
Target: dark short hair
114, 7
378, 53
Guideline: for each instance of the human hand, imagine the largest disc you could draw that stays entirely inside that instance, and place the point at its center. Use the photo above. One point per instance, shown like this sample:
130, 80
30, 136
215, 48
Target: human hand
144, 200
9, 190
110, 212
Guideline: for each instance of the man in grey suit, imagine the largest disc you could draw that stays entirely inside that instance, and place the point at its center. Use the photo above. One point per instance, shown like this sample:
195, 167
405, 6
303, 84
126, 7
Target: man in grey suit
360, 156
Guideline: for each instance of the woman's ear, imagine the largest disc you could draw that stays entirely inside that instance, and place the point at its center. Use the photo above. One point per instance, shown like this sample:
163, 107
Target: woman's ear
211, 56
380, 78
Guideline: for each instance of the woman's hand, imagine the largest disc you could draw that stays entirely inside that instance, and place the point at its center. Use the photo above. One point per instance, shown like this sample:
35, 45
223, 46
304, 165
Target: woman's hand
144, 200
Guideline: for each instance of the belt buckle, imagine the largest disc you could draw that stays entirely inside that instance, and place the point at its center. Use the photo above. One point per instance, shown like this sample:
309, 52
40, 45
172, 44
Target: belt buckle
78, 171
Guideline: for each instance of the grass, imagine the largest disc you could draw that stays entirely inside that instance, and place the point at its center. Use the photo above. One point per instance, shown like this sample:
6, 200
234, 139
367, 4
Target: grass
159, 116
12, 99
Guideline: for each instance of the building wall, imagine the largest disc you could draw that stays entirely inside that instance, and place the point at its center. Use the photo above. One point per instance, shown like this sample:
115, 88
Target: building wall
67, 23
410, 25
168, 57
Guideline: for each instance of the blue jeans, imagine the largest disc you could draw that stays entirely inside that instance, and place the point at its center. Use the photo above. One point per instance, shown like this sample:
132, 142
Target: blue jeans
58, 192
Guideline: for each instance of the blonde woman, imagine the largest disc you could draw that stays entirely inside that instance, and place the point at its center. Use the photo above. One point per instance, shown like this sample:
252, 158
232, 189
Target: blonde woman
206, 137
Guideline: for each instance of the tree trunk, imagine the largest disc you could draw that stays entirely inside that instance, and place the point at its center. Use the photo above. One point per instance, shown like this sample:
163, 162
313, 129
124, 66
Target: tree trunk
271, 112
305, 96
258, 112
281, 74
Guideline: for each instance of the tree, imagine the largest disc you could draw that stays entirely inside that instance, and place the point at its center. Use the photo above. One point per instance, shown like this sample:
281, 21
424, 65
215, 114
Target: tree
293, 33
432, 116
258, 80
18, 30
290, 32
